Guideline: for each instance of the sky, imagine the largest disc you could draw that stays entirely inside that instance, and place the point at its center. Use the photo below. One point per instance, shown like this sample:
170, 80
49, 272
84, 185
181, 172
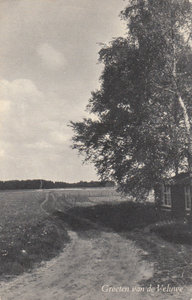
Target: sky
48, 68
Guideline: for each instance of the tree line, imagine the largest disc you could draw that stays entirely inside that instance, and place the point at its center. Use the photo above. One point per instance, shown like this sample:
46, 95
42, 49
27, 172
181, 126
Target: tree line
47, 184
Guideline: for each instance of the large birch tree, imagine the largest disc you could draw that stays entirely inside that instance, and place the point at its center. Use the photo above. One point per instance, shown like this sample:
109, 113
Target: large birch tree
143, 127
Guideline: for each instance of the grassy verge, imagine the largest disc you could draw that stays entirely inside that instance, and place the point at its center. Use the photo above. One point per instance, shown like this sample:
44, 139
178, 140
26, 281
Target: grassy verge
30, 245
27, 235
172, 262
176, 232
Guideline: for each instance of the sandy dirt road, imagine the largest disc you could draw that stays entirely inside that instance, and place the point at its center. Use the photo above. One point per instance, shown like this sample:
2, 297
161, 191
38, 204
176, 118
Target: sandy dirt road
86, 264
81, 270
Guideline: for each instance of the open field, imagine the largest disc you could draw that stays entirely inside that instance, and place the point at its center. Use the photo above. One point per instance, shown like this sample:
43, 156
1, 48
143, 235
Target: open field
105, 240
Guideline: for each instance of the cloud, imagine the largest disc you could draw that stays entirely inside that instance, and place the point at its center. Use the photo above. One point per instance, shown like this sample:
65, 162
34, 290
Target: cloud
4, 106
24, 89
19, 110
51, 57
31, 118
34, 136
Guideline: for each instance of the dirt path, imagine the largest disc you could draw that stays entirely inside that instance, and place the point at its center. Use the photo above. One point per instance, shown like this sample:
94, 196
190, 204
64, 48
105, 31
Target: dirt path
81, 270
86, 264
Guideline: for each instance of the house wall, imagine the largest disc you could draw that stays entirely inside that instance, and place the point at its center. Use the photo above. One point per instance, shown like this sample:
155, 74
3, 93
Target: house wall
164, 213
178, 200
177, 209
157, 193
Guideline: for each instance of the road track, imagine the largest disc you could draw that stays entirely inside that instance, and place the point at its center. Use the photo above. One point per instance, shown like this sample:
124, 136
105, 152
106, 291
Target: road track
83, 267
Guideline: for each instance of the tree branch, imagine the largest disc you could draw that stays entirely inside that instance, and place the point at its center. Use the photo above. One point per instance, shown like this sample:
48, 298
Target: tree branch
163, 88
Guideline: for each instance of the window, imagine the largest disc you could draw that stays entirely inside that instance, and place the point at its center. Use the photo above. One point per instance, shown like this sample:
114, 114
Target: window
187, 191
166, 193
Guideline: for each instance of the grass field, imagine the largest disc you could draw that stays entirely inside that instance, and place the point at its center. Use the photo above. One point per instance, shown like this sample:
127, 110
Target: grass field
27, 234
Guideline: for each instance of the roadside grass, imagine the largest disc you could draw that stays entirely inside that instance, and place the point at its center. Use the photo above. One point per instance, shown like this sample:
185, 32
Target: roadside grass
172, 262
177, 232
169, 247
27, 235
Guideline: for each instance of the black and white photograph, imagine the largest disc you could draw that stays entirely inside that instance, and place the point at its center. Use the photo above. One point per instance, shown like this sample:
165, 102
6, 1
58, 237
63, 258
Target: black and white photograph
95, 149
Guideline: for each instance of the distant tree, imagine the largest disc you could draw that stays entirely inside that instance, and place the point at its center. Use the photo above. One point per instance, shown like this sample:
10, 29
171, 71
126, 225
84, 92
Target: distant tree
142, 131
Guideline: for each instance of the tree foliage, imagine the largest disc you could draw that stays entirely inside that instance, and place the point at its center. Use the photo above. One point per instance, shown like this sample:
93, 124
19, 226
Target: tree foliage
140, 134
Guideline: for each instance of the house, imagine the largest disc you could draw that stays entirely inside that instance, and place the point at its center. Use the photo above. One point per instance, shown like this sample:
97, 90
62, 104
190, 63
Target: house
174, 196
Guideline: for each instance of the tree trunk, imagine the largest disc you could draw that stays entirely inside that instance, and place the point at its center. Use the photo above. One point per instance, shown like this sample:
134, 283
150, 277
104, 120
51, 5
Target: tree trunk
183, 107
189, 134
190, 155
